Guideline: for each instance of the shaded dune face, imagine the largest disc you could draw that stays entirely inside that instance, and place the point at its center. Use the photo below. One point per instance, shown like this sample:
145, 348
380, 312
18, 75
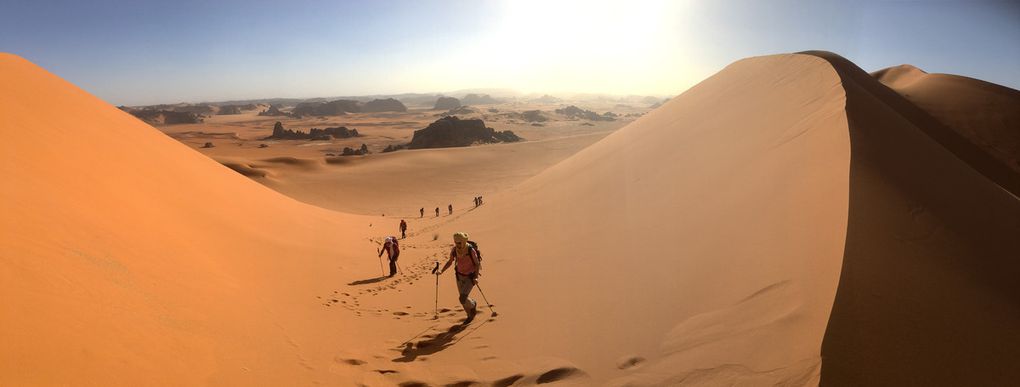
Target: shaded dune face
928, 292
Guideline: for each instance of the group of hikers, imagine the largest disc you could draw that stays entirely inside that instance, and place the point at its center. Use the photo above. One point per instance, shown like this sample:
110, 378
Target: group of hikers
465, 259
449, 208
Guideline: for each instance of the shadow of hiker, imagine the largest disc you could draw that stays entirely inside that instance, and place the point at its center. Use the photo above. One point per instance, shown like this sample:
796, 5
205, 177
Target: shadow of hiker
368, 281
432, 345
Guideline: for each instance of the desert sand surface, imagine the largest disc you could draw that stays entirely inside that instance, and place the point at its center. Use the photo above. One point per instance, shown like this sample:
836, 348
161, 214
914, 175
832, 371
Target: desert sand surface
786, 221
314, 173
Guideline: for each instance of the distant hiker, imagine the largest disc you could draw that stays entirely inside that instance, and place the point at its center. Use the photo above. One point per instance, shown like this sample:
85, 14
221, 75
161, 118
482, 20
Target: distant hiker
480, 201
450, 208
403, 229
468, 269
437, 212
422, 211
476, 201
392, 250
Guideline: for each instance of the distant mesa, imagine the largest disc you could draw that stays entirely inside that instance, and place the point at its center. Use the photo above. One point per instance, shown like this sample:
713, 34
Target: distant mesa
546, 99
578, 113
235, 109
163, 117
462, 111
478, 99
280, 133
446, 103
331, 108
273, 111
384, 105
451, 131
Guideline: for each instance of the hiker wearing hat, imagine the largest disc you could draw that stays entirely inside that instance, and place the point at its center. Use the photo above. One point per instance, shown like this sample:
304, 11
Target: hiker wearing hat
468, 269
392, 250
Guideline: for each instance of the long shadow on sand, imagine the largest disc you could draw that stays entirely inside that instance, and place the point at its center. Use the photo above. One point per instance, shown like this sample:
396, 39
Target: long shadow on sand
429, 346
368, 281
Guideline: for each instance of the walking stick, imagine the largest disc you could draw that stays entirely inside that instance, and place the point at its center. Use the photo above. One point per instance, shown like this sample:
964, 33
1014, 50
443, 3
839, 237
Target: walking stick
381, 269
434, 270
494, 314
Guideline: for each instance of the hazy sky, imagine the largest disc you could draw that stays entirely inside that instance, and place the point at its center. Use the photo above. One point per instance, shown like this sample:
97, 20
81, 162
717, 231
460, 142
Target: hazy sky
145, 52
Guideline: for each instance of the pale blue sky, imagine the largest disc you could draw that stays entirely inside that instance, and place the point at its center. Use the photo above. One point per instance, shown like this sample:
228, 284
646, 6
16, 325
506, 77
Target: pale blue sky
145, 52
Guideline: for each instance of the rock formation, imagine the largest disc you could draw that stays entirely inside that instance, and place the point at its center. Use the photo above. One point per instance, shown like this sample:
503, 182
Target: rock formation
279, 133
384, 105
454, 132
576, 112
447, 103
273, 111
331, 108
478, 99
167, 117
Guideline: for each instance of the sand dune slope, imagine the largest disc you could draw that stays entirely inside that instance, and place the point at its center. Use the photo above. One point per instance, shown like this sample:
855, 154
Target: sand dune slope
706, 237
985, 113
928, 292
709, 238
128, 259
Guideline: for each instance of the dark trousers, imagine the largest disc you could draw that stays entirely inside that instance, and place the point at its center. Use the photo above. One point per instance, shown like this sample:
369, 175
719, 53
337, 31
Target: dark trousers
393, 264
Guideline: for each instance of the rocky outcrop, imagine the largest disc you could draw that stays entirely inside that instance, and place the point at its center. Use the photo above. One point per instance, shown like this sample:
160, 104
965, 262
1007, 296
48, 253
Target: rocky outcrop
331, 108
235, 109
348, 151
463, 110
478, 99
446, 103
578, 113
454, 132
273, 111
384, 105
165, 117
279, 133
546, 99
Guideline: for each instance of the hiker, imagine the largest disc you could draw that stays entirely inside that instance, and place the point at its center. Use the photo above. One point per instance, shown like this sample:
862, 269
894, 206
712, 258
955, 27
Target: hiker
437, 212
467, 270
422, 211
392, 250
403, 229
450, 208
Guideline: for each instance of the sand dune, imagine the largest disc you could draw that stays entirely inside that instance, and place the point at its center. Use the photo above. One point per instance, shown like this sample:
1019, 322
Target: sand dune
789, 220
985, 113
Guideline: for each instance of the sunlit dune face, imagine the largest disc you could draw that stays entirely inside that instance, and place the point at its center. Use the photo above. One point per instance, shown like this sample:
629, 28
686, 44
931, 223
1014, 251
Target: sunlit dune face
570, 45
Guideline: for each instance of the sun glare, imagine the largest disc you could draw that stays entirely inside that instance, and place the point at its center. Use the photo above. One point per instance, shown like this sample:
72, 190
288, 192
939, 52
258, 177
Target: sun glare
584, 45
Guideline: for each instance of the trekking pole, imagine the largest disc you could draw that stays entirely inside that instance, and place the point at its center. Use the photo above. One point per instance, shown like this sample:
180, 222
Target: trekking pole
494, 314
381, 269
434, 271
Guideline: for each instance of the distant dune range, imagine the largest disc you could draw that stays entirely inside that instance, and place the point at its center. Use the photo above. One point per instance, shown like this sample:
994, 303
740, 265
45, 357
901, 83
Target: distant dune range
789, 220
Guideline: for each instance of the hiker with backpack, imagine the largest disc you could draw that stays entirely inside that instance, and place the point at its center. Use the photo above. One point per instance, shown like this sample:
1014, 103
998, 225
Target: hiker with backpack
392, 249
468, 268
403, 229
